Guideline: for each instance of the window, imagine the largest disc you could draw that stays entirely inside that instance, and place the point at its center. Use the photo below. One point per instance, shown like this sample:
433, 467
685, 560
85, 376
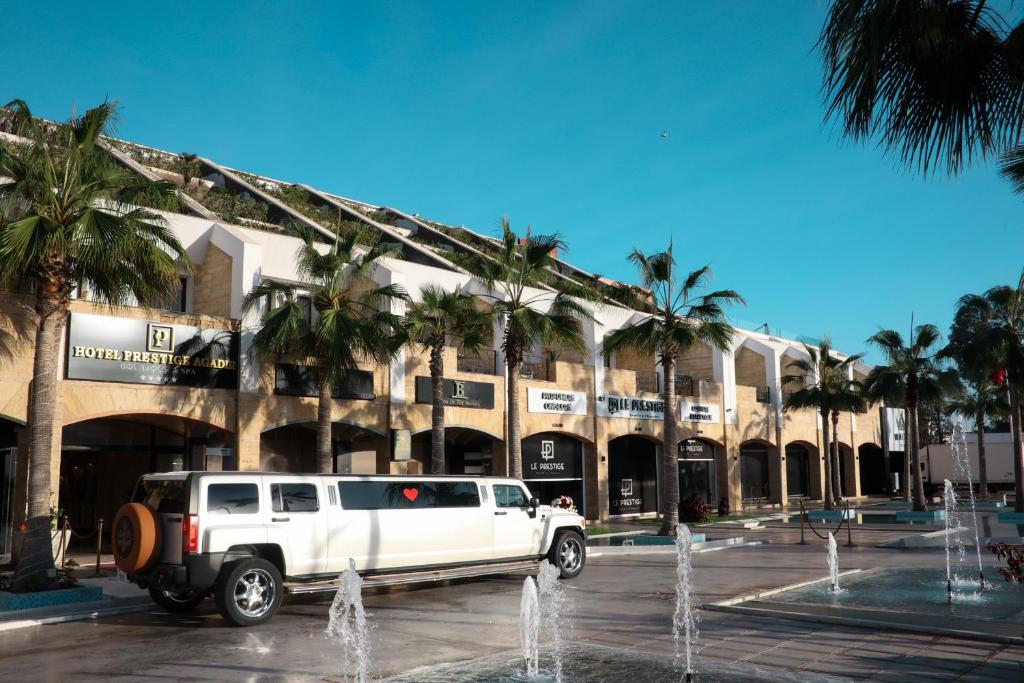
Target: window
294, 497
232, 499
508, 496
166, 496
407, 495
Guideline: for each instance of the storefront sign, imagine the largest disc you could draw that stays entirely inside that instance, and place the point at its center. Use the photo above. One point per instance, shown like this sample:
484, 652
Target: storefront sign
303, 380
896, 427
457, 393
694, 449
557, 402
630, 406
109, 349
552, 456
690, 411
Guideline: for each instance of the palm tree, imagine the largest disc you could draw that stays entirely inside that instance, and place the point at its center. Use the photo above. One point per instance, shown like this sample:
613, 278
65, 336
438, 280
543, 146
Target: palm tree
1003, 308
911, 378
821, 383
979, 401
681, 318
530, 311
847, 397
347, 324
431, 322
936, 82
68, 224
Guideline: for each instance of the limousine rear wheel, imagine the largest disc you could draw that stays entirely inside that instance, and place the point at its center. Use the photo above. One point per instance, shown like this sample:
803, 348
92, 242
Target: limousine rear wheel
568, 553
249, 591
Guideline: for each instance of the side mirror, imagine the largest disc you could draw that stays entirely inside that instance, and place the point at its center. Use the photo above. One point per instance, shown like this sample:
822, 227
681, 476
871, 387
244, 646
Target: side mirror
534, 504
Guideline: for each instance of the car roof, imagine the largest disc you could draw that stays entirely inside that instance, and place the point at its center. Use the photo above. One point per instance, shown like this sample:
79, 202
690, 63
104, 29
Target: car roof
184, 474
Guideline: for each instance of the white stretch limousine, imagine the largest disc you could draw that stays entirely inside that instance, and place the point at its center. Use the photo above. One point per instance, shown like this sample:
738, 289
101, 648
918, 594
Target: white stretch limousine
247, 538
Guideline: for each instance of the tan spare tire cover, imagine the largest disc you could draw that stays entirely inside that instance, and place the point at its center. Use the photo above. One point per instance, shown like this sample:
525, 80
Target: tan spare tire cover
135, 537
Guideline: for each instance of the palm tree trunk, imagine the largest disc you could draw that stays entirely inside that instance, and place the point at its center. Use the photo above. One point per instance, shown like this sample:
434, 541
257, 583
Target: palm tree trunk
669, 448
907, 467
35, 561
826, 456
837, 481
323, 426
515, 451
437, 464
1018, 454
920, 504
979, 421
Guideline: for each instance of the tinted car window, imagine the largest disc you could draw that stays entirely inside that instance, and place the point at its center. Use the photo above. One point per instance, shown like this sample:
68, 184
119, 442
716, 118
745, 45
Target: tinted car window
294, 497
163, 495
233, 499
407, 495
509, 496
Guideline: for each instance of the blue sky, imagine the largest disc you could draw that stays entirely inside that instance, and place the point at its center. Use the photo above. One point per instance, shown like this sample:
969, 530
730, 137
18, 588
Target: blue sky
552, 113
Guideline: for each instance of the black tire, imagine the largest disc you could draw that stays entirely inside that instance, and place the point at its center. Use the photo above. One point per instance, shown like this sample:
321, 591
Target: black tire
248, 592
177, 603
568, 553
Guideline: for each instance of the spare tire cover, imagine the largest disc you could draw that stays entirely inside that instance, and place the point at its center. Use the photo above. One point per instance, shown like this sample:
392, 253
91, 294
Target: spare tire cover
135, 537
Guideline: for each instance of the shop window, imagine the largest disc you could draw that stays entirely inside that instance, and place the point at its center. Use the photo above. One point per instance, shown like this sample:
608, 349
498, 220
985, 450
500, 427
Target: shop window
510, 496
407, 495
294, 498
232, 499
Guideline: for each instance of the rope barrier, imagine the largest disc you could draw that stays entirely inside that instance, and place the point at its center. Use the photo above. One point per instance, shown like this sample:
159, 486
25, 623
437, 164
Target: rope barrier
846, 518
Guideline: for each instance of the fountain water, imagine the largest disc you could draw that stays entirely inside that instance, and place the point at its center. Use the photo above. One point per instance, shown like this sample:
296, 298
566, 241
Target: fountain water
684, 621
529, 627
952, 529
963, 468
348, 626
833, 564
552, 595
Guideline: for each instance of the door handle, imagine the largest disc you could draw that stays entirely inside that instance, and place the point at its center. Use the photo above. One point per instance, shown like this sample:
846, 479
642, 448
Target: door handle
278, 519
501, 512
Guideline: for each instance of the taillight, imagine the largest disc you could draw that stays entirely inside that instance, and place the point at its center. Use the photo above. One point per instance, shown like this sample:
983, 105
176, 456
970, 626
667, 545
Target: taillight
190, 534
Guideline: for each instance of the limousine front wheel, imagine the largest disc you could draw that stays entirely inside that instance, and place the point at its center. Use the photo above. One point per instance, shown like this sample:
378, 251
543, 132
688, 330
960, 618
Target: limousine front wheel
248, 591
568, 553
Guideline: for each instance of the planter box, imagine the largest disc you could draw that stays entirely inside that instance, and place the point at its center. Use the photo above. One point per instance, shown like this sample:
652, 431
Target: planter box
61, 596
929, 516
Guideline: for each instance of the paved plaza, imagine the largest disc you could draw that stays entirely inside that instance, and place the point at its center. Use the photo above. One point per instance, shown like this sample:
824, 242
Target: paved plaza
620, 601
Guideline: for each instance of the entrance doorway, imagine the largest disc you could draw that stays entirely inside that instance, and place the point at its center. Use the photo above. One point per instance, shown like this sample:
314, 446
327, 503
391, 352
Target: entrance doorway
466, 451
292, 448
632, 475
697, 471
798, 471
8, 462
754, 472
874, 473
553, 467
102, 459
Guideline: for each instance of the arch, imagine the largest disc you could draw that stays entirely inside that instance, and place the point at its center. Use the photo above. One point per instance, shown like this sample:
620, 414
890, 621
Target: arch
147, 411
798, 469
756, 477
874, 470
472, 428
10, 418
564, 432
633, 474
468, 450
701, 464
298, 421
639, 435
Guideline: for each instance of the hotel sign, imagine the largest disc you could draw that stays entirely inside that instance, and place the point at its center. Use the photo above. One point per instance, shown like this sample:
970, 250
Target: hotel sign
110, 349
556, 402
630, 406
457, 393
690, 411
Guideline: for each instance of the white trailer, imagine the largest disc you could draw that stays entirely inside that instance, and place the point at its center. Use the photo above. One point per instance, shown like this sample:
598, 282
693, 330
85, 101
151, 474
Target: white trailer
939, 464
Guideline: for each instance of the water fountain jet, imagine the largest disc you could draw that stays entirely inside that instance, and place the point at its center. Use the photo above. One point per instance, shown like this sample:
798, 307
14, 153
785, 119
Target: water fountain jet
529, 627
833, 563
684, 621
347, 626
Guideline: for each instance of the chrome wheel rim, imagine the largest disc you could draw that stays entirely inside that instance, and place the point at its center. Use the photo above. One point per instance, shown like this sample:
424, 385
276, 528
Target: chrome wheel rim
254, 593
570, 554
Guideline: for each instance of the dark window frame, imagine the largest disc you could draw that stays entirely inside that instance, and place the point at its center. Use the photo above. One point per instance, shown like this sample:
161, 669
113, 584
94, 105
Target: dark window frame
392, 498
275, 497
222, 510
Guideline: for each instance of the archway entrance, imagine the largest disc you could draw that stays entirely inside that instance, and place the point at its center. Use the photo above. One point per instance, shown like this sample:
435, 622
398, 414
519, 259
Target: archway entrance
632, 475
8, 462
798, 471
874, 473
697, 471
292, 448
845, 466
754, 472
466, 451
102, 459
553, 466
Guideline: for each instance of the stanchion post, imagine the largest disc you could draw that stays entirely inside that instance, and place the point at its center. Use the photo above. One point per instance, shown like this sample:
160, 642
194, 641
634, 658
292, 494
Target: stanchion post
849, 527
63, 542
803, 541
99, 546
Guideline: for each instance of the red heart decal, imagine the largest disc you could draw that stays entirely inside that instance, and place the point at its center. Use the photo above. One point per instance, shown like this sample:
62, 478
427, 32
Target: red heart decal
411, 494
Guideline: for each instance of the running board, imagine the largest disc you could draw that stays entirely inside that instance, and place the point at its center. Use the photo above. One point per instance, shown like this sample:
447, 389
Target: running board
331, 585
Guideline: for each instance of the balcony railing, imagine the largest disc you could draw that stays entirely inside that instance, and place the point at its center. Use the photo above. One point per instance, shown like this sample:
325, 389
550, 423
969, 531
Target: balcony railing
647, 380
537, 368
486, 363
